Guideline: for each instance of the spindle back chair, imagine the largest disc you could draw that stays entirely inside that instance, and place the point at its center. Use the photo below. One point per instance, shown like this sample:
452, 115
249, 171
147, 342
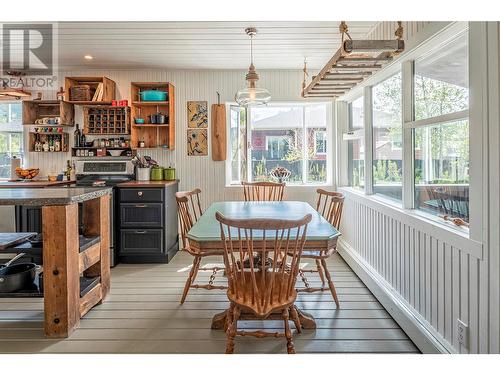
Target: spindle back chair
189, 210
263, 191
330, 205
262, 259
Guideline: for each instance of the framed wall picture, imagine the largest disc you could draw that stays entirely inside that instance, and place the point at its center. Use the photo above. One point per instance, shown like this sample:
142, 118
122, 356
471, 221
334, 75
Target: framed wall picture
197, 142
197, 114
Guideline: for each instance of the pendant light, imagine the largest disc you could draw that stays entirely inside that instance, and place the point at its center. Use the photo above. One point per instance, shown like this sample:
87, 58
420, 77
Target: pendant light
252, 94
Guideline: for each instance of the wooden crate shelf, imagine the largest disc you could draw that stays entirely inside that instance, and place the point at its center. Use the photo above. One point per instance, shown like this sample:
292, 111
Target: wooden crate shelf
34, 110
106, 120
108, 87
44, 137
153, 135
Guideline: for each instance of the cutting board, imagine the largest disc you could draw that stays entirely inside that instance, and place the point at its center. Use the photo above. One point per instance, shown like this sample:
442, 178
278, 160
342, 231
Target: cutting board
10, 239
218, 132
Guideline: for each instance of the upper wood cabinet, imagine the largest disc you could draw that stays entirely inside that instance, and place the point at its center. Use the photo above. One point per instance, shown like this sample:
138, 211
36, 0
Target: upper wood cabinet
38, 109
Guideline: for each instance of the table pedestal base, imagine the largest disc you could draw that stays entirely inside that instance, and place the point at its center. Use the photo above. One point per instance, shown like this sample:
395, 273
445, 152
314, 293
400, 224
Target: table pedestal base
306, 320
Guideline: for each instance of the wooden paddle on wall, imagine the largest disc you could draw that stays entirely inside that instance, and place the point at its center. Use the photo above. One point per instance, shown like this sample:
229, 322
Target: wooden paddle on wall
218, 130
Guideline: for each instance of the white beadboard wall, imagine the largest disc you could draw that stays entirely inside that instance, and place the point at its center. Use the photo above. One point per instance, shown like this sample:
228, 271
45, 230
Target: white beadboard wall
386, 29
437, 275
193, 171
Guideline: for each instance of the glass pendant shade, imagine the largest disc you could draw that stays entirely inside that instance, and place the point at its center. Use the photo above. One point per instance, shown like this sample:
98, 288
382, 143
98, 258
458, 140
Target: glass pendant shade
252, 95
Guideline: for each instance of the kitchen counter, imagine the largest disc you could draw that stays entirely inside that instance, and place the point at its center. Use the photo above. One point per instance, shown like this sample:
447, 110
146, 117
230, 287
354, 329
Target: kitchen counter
34, 184
161, 183
50, 196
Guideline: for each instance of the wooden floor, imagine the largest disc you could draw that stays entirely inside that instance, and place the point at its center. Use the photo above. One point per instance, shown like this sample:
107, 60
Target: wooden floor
142, 315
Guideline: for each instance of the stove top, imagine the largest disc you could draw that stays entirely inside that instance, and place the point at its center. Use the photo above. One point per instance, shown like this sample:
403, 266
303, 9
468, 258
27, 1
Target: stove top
102, 180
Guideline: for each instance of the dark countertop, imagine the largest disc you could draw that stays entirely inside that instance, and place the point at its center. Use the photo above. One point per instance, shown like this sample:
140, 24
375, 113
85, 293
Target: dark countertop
50, 196
144, 184
34, 184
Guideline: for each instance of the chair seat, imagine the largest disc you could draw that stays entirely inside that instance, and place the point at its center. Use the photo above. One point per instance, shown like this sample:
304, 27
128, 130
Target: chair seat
318, 254
278, 300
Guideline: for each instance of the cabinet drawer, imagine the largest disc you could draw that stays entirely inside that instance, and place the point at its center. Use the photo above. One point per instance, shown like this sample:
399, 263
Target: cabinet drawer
139, 241
141, 195
141, 215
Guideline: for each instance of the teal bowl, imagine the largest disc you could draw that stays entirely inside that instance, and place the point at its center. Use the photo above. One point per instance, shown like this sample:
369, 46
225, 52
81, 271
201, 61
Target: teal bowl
139, 121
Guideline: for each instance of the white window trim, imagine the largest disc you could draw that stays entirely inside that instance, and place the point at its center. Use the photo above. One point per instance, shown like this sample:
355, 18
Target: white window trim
405, 64
331, 146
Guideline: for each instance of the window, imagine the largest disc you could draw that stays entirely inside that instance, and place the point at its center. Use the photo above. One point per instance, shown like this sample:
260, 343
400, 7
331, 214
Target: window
11, 135
387, 138
289, 135
355, 144
441, 140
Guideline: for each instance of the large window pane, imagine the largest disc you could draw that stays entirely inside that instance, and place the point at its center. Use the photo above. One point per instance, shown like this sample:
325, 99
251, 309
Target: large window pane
357, 114
442, 169
277, 141
442, 80
237, 134
316, 119
387, 138
356, 163
11, 135
355, 147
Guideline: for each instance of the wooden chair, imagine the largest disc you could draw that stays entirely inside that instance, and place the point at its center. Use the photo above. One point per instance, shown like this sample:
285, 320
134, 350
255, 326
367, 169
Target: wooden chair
189, 209
264, 288
263, 191
329, 205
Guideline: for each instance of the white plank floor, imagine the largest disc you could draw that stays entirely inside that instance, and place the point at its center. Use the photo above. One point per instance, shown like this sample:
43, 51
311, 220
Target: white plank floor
142, 315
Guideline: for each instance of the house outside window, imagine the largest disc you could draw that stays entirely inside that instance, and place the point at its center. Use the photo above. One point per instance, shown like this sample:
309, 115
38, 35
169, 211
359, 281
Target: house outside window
11, 135
281, 135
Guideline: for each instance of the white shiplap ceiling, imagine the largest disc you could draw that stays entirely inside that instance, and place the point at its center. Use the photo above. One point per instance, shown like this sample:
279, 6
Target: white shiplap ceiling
200, 45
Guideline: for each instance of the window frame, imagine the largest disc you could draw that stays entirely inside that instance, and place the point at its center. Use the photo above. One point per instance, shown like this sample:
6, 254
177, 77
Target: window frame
10, 133
330, 108
405, 64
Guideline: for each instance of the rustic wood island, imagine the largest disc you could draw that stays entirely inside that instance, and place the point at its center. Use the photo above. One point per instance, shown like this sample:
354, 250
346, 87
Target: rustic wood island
65, 255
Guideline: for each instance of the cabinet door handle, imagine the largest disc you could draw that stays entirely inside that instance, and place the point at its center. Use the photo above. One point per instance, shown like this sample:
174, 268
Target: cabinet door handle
140, 205
139, 193
139, 231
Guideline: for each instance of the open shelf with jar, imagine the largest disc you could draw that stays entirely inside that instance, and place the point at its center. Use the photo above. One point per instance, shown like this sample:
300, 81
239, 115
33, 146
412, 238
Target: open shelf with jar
89, 90
152, 121
108, 120
48, 142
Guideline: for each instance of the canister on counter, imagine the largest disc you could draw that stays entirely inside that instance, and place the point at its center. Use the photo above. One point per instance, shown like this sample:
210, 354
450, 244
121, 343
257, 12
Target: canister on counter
169, 173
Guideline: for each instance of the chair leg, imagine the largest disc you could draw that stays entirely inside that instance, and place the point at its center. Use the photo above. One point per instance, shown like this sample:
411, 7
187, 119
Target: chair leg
295, 317
191, 277
288, 333
320, 272
330, 283
231, 331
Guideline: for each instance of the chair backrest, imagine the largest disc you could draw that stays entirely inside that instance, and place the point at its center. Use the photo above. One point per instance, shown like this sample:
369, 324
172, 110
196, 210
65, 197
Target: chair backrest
278, 244
329, 205
189, 209
263, 191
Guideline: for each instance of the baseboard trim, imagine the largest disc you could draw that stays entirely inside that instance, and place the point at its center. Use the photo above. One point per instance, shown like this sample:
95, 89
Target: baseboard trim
424, 336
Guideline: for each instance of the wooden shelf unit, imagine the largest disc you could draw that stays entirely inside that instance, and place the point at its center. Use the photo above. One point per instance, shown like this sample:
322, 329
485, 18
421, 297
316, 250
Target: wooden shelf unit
36, 109
108, 86
106, 120
64, 137
154, 135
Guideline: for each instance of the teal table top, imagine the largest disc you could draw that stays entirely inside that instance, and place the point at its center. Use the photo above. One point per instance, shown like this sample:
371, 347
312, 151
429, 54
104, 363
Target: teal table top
207, 228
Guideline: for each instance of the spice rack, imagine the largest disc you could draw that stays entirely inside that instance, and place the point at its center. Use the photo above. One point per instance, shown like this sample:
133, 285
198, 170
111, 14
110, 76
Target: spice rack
44, 137
108, 120
153, 135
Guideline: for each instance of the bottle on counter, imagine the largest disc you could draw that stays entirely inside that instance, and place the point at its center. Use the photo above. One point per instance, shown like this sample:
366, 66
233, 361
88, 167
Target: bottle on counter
73, 172
76, 136
68, 170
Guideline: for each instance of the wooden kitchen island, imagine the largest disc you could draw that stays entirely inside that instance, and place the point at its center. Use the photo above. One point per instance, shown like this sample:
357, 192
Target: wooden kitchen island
66, 254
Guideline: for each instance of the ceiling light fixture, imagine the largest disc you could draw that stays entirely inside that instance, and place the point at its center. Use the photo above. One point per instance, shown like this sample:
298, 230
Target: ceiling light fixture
88, 57
252, 94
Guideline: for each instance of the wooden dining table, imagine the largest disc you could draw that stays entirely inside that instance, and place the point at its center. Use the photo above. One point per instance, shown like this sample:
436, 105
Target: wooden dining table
205, 234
